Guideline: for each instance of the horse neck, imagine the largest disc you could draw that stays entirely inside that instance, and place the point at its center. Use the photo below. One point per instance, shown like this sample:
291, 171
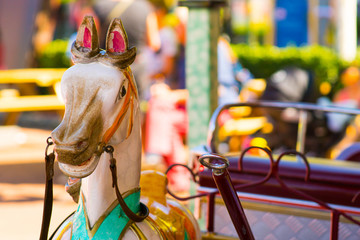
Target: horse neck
97, 188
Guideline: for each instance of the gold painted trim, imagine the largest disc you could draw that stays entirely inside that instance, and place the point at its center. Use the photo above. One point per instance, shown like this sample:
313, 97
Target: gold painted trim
214, 236
153, 225
65, 229
93, 230
138, 232
125, 229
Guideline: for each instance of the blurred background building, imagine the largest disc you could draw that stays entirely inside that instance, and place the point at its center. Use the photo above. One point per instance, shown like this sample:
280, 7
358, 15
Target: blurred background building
331, 23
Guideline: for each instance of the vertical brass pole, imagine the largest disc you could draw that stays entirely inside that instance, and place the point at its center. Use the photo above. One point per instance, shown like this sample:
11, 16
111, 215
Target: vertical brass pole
201, 65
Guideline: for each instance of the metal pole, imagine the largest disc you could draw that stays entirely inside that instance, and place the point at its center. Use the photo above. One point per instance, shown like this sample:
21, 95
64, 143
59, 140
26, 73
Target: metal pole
221, 176
302, 126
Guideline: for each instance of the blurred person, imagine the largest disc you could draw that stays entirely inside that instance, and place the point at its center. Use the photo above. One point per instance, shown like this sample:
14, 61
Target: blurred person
347, 126
289, 84
45, 25
294, 84
140, 22
166, 119
166, 128
179, 20
78, 10
348, 96
231, 75
162, 63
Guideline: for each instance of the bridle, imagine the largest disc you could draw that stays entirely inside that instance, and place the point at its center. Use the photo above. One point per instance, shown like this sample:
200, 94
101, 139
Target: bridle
103, 146
128, 102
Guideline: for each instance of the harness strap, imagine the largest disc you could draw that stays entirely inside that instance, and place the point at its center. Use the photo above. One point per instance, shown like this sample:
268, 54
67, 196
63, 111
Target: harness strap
48, 199
144, 211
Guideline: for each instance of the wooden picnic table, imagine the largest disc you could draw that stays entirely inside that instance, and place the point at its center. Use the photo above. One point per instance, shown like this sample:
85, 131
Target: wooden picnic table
13, 103
43, 77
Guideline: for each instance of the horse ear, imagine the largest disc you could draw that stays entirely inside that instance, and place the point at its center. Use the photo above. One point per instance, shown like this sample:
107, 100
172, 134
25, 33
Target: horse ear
116, 39
119, 53
87, 40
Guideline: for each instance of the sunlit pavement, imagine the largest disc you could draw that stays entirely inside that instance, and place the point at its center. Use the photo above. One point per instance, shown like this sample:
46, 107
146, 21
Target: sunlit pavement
22, 185
21, 208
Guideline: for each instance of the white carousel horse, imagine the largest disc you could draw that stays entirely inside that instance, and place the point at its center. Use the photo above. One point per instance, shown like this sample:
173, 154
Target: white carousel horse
102, 109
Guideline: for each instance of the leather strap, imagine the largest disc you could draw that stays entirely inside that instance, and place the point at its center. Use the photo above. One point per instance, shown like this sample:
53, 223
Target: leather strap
48, 199
144, 211
128, 101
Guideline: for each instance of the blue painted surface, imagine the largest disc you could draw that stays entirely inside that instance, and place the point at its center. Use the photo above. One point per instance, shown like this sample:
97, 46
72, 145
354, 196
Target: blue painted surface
291, 22
113, 224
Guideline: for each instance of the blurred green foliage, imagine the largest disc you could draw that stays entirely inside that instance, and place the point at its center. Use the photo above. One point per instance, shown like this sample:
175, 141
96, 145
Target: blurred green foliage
54, 55
262, 61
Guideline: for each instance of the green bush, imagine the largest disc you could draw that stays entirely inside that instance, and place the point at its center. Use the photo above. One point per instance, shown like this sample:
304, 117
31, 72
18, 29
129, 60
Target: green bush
54, 55
262, 61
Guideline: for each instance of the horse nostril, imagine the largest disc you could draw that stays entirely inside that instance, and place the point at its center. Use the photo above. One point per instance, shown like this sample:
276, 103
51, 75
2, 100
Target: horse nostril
81, 145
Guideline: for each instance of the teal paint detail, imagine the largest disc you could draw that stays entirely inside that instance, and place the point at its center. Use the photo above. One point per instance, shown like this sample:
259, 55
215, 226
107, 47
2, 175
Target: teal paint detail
201, 71
186, 237
111, 227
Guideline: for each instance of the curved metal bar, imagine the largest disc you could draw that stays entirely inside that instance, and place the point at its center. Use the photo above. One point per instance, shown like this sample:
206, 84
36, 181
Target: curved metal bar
274, 172
335, 212
266, 150
194, 179
261, 181
295, 153
182, 165
213, 126
237, 187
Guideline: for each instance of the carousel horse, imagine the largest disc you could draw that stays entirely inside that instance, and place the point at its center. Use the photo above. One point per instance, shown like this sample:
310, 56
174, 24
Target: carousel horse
99, 142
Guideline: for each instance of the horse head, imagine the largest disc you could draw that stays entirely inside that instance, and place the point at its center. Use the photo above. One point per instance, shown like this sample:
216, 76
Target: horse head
101, 109
100, 99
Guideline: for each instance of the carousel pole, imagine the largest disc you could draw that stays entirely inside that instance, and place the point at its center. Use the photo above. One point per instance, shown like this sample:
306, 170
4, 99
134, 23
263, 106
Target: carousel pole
219, 164
203, 27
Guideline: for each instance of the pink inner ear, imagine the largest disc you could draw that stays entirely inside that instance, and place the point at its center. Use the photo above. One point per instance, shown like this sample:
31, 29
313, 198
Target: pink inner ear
87, 38
118, 42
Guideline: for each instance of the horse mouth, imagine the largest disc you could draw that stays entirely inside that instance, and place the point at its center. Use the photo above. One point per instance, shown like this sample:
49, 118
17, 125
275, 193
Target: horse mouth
82, 170
85, 162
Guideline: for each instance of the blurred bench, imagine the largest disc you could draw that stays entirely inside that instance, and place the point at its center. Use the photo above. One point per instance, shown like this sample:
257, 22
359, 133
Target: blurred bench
13, 100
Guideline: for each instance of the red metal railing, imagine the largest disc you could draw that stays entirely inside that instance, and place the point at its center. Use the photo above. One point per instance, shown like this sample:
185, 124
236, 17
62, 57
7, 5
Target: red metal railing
321, 180
227, 191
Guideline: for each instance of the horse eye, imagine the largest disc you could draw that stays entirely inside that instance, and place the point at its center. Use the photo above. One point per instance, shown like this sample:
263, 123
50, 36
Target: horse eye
122, 92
